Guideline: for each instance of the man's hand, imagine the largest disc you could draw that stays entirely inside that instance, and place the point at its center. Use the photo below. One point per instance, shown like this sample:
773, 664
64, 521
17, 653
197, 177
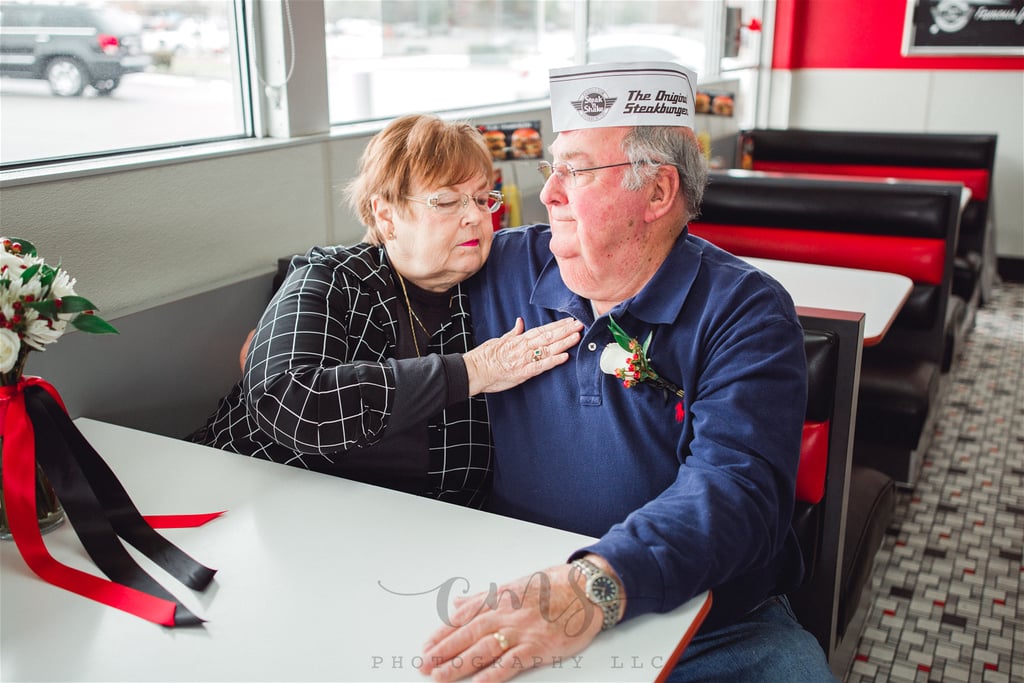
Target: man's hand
527, 623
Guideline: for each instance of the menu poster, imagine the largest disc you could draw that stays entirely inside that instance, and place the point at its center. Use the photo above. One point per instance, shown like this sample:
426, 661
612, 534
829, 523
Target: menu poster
964, 27
714, 102
519, 140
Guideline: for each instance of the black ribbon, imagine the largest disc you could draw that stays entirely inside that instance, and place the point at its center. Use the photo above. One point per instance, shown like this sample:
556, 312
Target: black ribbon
100, 509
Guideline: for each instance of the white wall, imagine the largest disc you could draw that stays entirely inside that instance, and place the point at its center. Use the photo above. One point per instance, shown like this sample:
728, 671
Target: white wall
135, 239
921, 101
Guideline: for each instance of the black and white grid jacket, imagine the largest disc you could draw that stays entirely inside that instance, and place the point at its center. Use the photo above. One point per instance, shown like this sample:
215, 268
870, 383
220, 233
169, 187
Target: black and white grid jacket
322, 390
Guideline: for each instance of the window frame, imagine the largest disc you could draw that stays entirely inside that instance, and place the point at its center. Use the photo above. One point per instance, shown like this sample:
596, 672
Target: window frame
278, 114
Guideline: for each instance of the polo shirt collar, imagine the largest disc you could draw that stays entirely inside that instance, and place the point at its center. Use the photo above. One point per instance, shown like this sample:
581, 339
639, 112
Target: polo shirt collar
659, 302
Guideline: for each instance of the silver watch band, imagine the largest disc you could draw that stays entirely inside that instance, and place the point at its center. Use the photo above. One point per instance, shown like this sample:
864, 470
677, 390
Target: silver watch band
610, 609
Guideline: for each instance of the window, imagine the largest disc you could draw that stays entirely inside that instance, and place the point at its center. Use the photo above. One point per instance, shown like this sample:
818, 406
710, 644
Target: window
390, 57
81, 79
649, 31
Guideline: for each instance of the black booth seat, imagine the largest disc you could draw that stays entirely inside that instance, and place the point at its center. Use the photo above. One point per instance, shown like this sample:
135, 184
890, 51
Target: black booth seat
964, 157
904, 227
897, 393
841, 521
870, 513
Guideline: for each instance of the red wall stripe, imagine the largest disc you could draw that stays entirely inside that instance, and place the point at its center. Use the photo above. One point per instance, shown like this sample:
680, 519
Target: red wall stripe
858, 34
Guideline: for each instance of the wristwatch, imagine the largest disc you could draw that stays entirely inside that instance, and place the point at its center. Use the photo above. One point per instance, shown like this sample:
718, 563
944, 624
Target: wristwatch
602, 590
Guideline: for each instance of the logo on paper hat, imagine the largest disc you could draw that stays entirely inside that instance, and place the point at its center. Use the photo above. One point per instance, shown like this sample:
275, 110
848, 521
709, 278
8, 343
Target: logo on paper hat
624, 94
594, 104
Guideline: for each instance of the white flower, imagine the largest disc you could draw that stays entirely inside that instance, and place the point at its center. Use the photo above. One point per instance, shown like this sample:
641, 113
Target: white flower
41, 331
63, 285
12, 265
31, 315
10, 345
21, 290
613, 358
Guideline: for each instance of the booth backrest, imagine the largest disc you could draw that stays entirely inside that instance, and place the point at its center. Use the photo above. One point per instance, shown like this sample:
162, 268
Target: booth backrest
168, 367
822, 356
965, 158
907, 227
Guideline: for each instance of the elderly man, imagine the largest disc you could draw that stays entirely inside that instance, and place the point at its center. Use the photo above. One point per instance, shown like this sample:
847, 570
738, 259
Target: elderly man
679, 455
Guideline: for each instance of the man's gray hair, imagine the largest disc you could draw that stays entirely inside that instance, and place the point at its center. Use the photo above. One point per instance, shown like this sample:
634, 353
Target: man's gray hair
671, 145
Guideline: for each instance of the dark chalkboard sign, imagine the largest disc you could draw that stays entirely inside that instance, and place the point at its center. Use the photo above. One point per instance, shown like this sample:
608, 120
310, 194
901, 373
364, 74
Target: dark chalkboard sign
964, 27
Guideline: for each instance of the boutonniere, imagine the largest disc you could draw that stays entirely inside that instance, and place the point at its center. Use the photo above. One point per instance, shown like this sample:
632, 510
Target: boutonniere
626, 359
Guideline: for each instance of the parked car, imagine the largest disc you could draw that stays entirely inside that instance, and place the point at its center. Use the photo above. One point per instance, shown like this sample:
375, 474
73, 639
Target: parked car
70, 46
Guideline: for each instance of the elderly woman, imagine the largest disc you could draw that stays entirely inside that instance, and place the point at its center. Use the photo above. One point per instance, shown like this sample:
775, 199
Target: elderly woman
363, 364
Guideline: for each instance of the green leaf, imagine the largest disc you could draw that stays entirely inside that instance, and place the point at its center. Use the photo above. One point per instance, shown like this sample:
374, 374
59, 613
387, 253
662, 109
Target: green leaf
647, 342
618, 333
29, 273
93, 324
76, 304
46, 308
48, 275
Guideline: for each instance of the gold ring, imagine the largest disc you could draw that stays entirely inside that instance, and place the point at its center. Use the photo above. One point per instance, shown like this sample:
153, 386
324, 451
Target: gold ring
537, 354
502, 640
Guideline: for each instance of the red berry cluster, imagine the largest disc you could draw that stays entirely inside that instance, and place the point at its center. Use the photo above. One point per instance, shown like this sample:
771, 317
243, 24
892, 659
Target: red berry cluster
636, 367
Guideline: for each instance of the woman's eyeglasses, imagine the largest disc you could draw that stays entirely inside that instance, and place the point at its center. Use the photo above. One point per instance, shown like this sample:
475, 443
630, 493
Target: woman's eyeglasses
573, 177
452, 202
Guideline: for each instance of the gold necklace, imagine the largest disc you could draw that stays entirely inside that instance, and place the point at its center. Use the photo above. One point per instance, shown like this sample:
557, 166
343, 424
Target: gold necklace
412, 316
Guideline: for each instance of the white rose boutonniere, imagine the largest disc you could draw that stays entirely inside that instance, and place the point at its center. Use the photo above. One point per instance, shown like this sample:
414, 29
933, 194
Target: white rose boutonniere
627, 360
615, 359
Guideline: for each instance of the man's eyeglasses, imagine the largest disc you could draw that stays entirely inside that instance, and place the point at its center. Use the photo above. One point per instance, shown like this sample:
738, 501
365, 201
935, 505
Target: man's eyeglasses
448, 203
573, 177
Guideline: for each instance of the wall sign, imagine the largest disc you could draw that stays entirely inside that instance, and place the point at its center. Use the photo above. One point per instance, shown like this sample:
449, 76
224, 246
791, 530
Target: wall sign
519, 140
964, 27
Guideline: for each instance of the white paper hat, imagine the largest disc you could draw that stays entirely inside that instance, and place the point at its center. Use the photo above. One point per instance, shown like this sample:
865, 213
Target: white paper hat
622, 94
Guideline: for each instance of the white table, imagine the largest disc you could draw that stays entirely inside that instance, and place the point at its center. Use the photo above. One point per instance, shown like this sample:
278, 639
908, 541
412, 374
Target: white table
879, 296
320, 579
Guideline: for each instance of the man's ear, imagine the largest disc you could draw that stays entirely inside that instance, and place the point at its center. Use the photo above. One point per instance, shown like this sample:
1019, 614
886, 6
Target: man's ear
664, 192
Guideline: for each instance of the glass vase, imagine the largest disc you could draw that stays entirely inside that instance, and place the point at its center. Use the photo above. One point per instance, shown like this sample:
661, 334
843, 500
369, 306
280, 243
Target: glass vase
49, 512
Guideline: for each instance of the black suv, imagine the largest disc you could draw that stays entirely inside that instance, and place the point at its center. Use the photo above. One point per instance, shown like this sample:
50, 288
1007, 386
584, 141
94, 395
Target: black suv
71, 46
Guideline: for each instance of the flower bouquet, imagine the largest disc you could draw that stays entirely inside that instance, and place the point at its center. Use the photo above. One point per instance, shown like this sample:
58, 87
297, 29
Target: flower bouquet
40, 446
37, 302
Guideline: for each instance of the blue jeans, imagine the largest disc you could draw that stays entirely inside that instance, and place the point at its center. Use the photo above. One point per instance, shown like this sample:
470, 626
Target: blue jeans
767, 645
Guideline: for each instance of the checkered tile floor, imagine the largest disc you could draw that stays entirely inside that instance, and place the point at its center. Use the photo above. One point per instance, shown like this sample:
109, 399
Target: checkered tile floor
949, 600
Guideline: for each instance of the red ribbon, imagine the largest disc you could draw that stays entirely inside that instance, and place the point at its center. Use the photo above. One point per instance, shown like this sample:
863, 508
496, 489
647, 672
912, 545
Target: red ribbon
181, 521
19, 490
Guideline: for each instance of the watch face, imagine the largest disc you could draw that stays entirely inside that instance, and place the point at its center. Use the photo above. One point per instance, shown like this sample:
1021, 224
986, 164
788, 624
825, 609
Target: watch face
603, 589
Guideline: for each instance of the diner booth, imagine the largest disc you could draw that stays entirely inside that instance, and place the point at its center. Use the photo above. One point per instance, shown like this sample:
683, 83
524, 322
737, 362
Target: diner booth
881, 188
